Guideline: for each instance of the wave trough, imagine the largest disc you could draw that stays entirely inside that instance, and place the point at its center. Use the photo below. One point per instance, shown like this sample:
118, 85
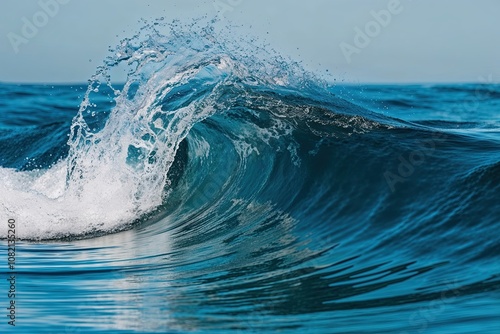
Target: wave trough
223, 188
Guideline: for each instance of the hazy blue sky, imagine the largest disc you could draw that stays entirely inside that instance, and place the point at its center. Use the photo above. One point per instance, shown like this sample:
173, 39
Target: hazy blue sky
356, 40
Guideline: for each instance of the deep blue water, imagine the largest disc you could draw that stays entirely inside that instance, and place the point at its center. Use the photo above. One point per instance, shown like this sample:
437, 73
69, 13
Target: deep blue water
216, 193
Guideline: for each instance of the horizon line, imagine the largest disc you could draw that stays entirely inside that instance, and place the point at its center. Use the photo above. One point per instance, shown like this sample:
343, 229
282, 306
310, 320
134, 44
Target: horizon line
335, 83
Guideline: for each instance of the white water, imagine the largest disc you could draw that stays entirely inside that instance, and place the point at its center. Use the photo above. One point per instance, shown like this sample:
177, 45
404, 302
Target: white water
115, 175
101, 186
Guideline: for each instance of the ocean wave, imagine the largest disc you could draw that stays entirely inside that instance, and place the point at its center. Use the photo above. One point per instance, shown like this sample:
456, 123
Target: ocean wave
253, 190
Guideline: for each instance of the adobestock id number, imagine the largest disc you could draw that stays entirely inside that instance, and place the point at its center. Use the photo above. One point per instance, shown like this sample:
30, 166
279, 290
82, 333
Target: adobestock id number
11, 242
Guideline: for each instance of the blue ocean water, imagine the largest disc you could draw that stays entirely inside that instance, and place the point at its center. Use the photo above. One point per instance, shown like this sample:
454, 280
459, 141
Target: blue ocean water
220, 192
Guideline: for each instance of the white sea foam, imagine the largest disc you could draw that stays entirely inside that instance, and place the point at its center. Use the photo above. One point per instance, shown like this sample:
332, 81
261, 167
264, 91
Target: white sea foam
117, 174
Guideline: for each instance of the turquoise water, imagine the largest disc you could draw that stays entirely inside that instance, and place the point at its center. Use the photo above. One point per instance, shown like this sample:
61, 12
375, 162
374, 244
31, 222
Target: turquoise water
217, 193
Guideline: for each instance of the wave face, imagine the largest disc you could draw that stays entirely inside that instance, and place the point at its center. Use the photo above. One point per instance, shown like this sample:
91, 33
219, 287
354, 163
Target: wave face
223, 189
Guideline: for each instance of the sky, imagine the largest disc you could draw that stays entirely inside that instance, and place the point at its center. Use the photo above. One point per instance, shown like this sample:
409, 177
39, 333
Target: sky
357, 41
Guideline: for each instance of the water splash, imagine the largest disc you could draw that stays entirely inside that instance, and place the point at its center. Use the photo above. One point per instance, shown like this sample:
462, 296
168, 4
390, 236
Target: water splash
116, 171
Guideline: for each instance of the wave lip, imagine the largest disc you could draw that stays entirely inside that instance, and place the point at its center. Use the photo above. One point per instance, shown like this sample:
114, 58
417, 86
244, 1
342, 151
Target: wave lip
253, 192
114, 171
